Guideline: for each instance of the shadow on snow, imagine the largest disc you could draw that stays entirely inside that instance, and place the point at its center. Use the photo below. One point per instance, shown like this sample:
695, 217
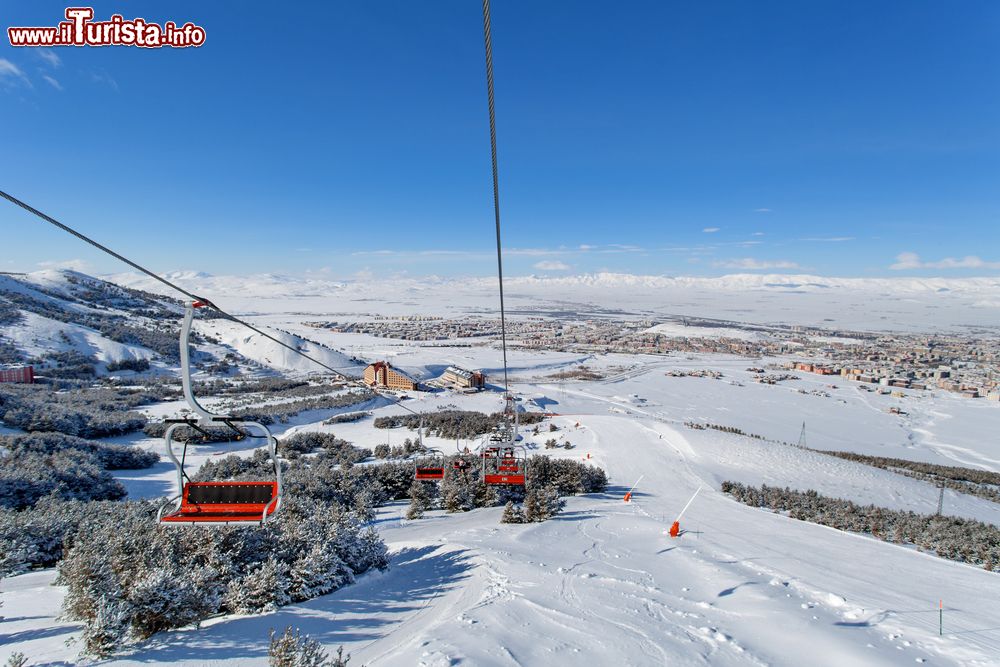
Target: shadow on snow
361, 612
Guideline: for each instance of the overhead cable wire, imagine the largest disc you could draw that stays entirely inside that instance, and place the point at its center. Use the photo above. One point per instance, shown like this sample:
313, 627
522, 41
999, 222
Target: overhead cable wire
488, 42
232, 318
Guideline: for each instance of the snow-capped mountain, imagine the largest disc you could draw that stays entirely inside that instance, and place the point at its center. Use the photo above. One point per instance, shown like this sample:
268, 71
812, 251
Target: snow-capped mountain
873, 304
61, 318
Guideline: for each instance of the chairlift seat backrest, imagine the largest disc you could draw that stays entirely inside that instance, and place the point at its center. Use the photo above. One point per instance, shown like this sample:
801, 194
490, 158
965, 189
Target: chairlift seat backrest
225, 502
429, 473
502, 479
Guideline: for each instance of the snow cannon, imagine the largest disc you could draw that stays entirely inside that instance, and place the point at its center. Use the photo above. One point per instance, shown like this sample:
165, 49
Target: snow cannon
675, 528
628, 496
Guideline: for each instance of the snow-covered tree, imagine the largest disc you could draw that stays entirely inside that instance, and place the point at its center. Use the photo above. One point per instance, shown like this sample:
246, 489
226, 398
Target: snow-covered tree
293, 649
512, 513
168, 597
420, 500
18, 659
549, 503
108, 629
318, 572
263, 589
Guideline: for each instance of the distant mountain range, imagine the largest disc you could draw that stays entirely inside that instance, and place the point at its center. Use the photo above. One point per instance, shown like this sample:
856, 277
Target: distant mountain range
271, 284
869, 304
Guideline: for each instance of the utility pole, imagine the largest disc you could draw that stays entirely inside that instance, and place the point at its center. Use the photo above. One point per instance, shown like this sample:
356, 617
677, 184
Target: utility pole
940, 506
802, 437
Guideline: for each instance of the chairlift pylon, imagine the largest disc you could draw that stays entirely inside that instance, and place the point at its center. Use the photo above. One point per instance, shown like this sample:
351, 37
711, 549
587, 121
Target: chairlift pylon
218, 502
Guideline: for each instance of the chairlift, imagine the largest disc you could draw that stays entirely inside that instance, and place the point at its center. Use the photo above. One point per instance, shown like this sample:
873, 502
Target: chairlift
505, 466
218, 502
432, 472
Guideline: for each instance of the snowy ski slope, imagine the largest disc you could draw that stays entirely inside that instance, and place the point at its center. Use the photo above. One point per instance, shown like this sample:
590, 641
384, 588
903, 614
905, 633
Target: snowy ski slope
602, 583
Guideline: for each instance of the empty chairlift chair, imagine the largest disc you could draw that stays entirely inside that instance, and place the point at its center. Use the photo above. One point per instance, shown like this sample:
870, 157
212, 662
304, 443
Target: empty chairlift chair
431, 470
221, 502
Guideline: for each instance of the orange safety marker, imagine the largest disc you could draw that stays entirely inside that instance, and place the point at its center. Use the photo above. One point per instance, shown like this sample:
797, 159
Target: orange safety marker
675, 528
628, 496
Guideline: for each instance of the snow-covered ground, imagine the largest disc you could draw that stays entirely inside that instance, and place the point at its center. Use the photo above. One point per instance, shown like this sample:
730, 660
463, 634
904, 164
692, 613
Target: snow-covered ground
602, 583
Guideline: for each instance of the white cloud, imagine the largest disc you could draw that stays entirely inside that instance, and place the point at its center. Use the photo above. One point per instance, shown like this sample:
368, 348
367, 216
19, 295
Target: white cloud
829, 239
552, 266
485, 253
532, 252
364, 275
104, 78
911, 260
11, 72
751, 264
50, 57
73, 264
757, 234
762, 210
52, 82
710, 230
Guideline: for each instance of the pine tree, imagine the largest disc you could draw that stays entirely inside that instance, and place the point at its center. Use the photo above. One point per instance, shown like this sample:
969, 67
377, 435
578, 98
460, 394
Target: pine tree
452, 502
109, 628
531, 506
318, 572
420, 500
168, 598
293, 649
549, 503
512, 513
264, 589
486, 495
16, 660
340, 660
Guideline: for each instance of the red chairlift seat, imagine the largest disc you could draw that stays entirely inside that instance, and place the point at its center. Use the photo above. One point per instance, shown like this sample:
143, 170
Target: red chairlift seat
501, 479
504, 467
225, 502
220, 502
431, 470
429, 473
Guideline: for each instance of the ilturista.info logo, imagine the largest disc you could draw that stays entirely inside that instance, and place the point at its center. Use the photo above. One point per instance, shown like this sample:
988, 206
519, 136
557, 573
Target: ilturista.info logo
80, 29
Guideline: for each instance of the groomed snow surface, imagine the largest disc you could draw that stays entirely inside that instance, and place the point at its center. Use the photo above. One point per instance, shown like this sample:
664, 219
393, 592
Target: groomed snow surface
602, 583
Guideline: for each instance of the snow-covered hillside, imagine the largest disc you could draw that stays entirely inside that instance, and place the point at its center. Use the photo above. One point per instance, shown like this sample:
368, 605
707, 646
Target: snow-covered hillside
48, 314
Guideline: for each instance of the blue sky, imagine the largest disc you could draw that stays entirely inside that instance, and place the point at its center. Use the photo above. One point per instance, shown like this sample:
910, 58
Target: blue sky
839, 138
